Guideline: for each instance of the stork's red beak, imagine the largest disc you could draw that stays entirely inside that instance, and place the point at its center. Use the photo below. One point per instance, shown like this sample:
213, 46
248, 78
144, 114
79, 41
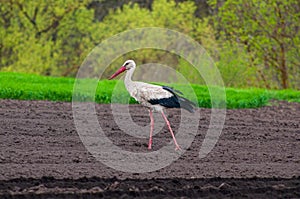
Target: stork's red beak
121, 70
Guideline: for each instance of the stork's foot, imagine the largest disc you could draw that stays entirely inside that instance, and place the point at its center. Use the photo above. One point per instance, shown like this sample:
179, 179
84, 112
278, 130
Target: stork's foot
150, 144
177, 148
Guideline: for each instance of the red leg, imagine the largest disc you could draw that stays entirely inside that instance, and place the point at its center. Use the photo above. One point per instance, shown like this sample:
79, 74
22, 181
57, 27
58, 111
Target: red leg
151, 129
173, 136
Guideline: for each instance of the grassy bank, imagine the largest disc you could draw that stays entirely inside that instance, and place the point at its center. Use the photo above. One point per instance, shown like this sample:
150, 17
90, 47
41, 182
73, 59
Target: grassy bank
33, 87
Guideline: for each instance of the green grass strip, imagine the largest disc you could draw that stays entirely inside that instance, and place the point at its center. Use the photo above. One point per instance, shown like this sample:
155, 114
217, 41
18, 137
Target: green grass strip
35, 87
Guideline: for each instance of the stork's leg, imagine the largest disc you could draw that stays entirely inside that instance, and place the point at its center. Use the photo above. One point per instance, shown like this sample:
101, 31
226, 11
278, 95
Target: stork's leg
151, 129
171, 131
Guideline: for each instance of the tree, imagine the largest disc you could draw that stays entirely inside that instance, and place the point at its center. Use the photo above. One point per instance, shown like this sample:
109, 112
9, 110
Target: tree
44, 37
269, 31
165, 14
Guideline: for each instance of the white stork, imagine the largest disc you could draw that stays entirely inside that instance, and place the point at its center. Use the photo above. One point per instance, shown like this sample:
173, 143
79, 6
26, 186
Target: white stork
153, 97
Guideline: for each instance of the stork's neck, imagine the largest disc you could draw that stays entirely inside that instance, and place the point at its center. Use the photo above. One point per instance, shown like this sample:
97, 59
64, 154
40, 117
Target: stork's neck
128, 78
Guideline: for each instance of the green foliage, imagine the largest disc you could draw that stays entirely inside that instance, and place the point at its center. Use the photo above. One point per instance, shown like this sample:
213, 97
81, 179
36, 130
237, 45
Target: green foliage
44, 37
233, 65
53, 37
269, 32
34, 87
254, 43
165, 14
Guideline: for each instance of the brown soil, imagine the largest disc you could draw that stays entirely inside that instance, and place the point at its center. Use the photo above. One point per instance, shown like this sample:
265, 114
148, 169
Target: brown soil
42, 156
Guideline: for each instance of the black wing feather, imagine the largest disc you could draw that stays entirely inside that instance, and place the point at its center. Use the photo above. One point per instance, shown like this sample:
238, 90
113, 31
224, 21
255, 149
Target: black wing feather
171, 102
174, 101
171, 90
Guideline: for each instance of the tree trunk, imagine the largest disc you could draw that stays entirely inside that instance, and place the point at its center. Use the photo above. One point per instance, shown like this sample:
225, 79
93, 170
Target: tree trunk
283, 68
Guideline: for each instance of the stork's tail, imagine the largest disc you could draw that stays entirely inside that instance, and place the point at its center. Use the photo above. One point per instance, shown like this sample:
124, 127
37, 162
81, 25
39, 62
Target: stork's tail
186, 104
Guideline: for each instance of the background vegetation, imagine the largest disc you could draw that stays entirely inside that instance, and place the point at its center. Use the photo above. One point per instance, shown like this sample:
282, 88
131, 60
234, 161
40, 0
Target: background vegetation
254, 43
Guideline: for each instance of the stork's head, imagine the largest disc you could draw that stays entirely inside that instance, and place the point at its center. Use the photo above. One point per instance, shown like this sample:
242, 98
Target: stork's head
129, 64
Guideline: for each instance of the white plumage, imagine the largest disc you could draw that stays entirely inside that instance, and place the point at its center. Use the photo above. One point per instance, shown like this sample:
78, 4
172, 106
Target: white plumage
153, 96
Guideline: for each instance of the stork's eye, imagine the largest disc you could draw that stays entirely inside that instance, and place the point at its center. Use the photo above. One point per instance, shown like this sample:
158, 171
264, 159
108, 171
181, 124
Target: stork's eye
126, 64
